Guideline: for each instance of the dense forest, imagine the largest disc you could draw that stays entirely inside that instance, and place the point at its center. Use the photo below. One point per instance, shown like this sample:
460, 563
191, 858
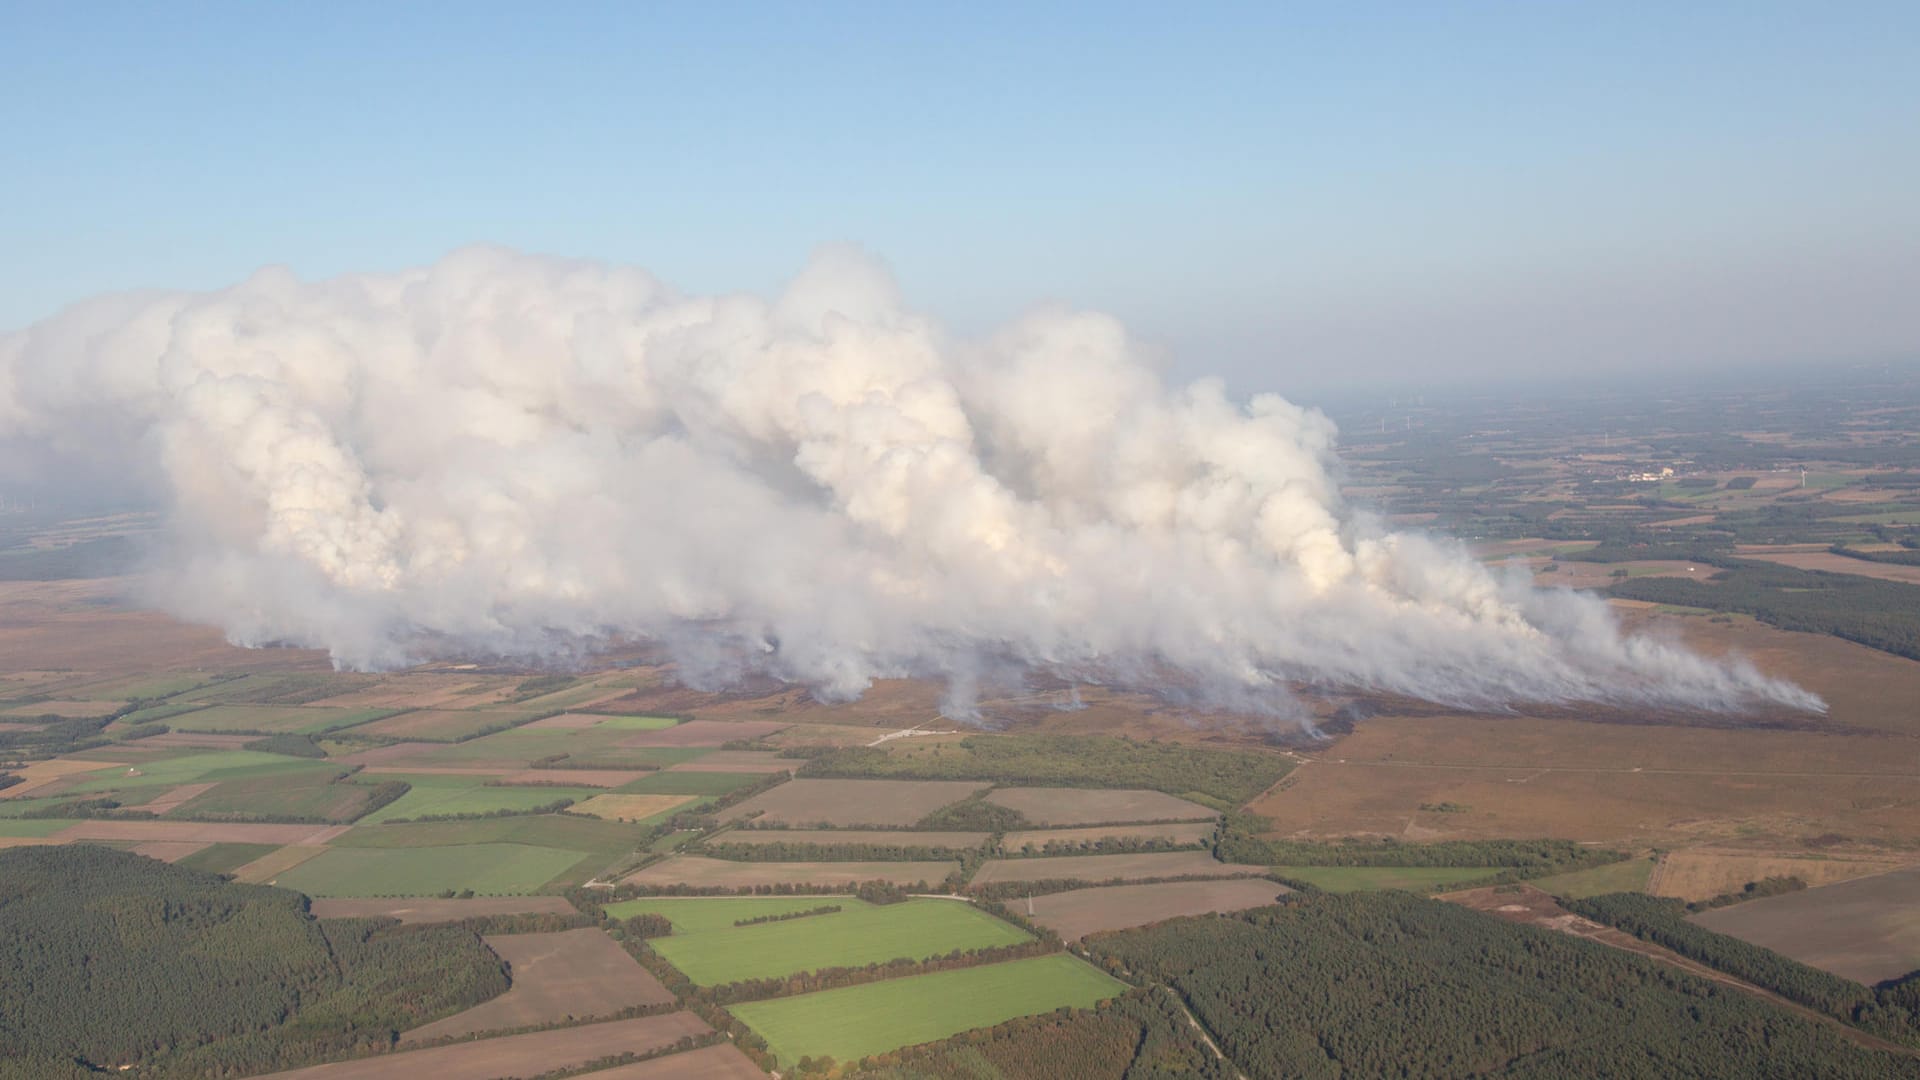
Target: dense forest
1889, 1012
1215, 777
1237, 843
1389, 984
115, 959
1138, 1036
1884, 615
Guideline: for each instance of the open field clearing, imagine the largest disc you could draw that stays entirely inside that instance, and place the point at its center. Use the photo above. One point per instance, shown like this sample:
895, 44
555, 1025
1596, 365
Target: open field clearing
1097, 806
1867, 929
722, 1061
32, 827
141, 832
1628, 876
281, 688
572, 974
1110, 867
852, 802
422, 871
533, 1054
1073, 915
852, 1022
421, 909
1360, 878
41, 777
592, 843
1838, 564
855, 936
439, 794
275, 719
702, 914
169, 850
746, 761
267, 868
904, 837
198, 740
175, 796
593, 778
674, 782
713, 733
1186, 832
632, 807
304, 794
699, 871
427, 690
581, 721
225, 858
148, 687
63, 708
825, 735
1700, 874
444, 725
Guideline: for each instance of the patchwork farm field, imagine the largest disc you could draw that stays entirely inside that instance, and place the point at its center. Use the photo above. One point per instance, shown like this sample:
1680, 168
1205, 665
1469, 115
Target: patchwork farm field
1093, 806
275, 719
1341, 879
698, 914
639, 808
1153, 864
853, 1022
1190, 832
957, 841
424, 871
701, 871
852, 802
445, 725
857, 935
1075, 914
1867, 929
433, 794
572, 974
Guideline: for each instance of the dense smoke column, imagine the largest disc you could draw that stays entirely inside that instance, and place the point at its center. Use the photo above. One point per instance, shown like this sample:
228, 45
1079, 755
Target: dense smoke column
509, 455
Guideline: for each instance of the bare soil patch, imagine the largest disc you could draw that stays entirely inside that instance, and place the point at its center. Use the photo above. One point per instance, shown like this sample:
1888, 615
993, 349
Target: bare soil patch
1867, 929
698, 870
723, 1061
630, 807
705, 733
1074, 915
1084, 806
1154, 864
853, 802
571, 777
422, 909
1186, 832
514, 1055
568, 975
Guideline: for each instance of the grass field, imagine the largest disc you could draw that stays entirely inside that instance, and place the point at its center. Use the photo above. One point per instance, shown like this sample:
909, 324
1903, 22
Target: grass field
637, 723
699, 870
278, 719
858, 935
35, 827
856, 1021
1341, 879
306, 794
1628, 876
445, 725
440, 794
209, 766
697, 914
225, 858
592, 844
488, 869
853, 802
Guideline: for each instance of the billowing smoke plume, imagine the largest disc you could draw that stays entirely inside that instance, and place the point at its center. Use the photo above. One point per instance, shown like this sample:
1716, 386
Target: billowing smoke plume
517, 456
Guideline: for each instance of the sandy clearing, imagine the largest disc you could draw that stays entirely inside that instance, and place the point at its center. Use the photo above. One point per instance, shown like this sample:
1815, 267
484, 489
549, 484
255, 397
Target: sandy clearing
513, 1055
1074, 915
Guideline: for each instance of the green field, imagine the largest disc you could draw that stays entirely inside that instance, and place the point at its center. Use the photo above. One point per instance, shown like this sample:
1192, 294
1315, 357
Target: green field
225, 858
1628, 876
312, 793
637, 723
1342, 879
440, 794
697, 914
688, 783
160, 712
488, 869
278, 719
590, 843
147, 687
856, 1021
34, 827
204, 766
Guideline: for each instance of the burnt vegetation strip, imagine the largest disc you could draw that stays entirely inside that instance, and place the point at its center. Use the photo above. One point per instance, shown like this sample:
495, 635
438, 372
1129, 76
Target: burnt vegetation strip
1217, 778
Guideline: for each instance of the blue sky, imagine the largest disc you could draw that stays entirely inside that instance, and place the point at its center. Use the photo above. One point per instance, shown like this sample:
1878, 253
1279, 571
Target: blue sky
1295, 195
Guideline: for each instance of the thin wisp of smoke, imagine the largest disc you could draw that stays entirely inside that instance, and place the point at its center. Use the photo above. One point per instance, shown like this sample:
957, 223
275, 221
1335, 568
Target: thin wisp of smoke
515, 456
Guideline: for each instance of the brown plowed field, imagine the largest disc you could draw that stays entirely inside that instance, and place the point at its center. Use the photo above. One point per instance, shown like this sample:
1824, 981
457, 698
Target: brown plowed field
1867, 929
574, 777
721, 1062
206, 832
572, 974
514, 1055
853, 802
1085, 806
1074, 915
1185, 832
705, 733
902, 837
1111, 867
697, 870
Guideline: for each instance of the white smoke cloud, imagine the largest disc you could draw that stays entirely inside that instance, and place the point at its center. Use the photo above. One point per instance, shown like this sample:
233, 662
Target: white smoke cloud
510, 455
